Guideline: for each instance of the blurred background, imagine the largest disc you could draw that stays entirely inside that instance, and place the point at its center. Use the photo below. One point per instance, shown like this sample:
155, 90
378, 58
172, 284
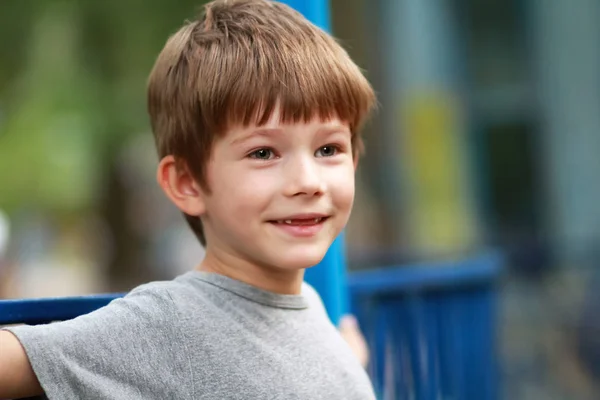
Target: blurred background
487, 137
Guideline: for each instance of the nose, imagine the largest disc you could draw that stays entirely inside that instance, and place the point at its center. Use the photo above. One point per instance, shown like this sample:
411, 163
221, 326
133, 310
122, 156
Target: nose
303, 178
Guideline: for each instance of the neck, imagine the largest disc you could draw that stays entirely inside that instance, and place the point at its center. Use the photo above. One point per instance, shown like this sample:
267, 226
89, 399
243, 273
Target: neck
263, 277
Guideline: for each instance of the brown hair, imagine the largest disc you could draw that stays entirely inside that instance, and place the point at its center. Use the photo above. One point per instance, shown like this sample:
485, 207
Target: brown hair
233, 65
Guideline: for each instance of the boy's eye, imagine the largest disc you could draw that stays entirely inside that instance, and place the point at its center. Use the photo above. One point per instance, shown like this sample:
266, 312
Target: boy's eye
262, 154
326, 151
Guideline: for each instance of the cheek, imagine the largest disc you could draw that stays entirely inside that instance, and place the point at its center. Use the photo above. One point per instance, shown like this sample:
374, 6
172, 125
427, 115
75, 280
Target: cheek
243, 195
342, 188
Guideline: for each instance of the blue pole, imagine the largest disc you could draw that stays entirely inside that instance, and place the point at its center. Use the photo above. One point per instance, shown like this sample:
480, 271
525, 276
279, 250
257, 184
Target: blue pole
316, 11
330, 280
329, 276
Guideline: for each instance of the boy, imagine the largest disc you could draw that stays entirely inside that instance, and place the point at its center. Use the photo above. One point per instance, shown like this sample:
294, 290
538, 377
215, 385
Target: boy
256, 114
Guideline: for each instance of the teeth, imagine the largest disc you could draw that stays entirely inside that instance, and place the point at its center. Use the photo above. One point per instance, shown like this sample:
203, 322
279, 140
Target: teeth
289, 221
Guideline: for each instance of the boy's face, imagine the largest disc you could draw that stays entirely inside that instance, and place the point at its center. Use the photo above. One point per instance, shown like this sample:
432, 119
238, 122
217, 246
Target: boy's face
280, 194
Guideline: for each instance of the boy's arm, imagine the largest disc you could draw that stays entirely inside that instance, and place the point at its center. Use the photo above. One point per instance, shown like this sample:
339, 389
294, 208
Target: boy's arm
17, 379
350, 331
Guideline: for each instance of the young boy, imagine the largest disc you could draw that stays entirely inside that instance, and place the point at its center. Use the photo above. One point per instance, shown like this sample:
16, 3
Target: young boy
256, 115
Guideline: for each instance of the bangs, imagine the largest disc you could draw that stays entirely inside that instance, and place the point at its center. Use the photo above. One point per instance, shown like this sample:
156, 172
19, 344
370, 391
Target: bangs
303, 80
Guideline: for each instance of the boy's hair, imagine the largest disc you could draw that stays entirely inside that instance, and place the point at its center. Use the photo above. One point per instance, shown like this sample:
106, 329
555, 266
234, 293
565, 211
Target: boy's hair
233, 65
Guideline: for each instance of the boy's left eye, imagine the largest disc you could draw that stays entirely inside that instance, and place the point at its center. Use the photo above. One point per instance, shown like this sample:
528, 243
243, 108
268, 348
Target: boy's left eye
262, 154
327, 151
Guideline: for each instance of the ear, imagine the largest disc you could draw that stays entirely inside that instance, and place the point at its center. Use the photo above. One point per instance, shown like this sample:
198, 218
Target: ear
180, 186
355, 158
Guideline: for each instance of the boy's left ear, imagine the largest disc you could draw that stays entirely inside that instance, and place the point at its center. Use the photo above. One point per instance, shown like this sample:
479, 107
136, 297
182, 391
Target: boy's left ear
180, 186
355, 161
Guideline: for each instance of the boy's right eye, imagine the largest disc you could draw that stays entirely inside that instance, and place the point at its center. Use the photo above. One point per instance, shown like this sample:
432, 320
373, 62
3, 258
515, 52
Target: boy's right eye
262, 154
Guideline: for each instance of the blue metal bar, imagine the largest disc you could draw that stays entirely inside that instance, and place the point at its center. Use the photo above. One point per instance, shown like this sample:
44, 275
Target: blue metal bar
418, 277
316, 11
45, 310
330, 280
329, 276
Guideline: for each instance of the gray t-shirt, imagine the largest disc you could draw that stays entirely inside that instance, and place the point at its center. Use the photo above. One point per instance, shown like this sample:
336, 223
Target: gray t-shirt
199, 336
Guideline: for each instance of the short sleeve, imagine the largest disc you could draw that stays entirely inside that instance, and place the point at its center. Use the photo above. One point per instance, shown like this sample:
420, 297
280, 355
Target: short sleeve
129, 349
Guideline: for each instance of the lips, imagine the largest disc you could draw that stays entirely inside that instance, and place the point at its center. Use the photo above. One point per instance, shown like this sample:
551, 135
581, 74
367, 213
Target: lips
305, 225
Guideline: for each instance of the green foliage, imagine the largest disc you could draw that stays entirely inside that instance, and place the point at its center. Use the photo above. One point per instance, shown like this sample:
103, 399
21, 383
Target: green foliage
72, 89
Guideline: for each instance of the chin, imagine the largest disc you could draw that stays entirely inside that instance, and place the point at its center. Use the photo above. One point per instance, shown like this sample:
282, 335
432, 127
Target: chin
302, 257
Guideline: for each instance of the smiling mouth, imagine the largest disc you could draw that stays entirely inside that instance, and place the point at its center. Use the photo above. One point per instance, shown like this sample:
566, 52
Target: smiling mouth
300, 221
300, 227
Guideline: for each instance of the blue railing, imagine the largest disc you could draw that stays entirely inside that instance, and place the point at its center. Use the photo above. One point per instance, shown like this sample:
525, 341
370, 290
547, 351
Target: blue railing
45, 310
431, 328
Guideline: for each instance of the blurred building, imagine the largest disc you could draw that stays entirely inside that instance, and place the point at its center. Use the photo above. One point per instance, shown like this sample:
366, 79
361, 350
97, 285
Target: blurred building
487, 136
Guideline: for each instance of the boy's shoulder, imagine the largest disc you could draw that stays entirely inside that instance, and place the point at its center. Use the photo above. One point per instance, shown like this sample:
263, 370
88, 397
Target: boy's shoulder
164, 300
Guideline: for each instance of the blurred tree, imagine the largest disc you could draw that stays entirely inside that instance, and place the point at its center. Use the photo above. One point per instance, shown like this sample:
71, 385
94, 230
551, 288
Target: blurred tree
72, 90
